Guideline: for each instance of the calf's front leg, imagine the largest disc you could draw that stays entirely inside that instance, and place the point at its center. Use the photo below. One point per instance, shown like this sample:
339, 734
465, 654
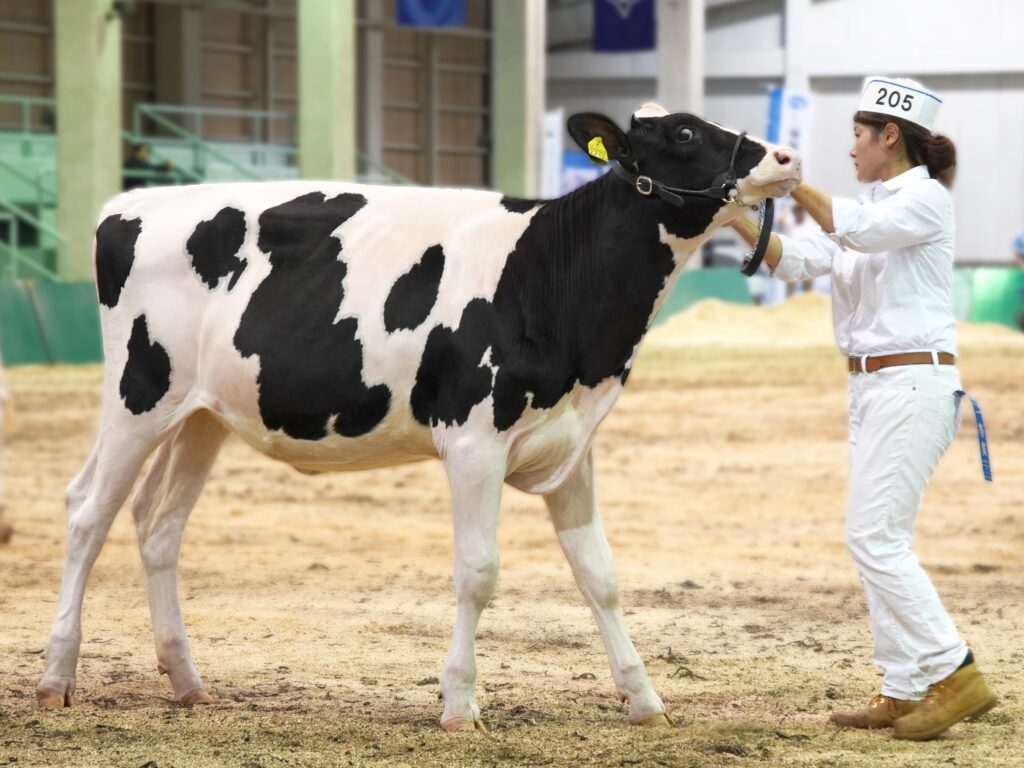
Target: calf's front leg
475, 475
577, 520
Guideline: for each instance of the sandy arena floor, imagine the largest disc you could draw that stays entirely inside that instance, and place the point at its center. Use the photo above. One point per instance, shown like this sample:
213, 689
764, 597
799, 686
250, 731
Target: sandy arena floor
320, 607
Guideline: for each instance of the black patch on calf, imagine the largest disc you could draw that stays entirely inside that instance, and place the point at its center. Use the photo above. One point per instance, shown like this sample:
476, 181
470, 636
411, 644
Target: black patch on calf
214, 245
572, 302
579, 288
413, 295
518, 204
147, 373
310, 366
451, 378
115, 254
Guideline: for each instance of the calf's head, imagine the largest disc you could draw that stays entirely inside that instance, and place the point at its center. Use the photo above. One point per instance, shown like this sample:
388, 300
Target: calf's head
683, 151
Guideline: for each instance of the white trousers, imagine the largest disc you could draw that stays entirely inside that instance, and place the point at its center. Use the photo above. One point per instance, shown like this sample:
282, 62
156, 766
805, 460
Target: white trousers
902, 419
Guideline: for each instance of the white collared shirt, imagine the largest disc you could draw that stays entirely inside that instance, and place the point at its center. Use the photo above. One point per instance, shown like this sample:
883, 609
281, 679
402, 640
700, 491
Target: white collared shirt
891, 262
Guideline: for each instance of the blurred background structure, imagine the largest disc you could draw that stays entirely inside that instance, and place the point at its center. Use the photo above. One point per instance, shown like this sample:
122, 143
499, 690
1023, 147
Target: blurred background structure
100, 95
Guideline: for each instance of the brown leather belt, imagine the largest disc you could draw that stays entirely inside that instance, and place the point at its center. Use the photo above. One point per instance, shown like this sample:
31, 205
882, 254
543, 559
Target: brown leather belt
872, 364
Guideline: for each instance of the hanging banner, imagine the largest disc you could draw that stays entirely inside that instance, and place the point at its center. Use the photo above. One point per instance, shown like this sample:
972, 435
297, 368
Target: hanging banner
789, 118
551, 153
432, 13
624, 25
578, 169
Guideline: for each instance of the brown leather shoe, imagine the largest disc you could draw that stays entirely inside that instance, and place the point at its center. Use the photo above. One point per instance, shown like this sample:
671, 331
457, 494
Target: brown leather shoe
881, 712
961, 695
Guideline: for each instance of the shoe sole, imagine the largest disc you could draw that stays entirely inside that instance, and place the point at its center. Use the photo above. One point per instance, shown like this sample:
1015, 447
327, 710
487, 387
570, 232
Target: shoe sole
864, 727
971, 714
985, 709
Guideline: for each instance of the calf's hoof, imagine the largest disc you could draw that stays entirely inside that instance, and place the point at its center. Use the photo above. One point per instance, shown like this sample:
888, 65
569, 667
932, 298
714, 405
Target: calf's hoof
462, 724
658, 720
189, 680
198, 696
54, 698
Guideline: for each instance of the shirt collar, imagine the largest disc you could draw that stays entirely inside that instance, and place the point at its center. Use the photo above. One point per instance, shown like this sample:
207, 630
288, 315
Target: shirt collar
907, 177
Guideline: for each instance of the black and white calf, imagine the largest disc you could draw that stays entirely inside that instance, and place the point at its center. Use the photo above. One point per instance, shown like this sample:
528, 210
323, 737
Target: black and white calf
342, 327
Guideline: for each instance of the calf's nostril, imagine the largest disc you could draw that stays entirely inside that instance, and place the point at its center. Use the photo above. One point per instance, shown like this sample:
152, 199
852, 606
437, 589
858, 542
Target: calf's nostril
783, 157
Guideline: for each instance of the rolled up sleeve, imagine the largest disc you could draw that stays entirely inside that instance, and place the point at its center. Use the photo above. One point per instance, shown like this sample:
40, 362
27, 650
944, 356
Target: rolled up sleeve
805, 259
916, 215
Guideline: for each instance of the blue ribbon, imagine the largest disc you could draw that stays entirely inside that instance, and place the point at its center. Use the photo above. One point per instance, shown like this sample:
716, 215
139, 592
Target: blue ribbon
986, 466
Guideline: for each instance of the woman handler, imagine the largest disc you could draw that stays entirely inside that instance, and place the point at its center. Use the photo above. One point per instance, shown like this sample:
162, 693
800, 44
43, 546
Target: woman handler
890, 256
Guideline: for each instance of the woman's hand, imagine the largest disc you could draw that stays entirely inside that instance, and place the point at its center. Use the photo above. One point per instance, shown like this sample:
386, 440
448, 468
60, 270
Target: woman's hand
817, 203
749, 231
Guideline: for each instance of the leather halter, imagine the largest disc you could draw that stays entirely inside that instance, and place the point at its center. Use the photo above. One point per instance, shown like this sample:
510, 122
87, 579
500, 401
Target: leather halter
725, 187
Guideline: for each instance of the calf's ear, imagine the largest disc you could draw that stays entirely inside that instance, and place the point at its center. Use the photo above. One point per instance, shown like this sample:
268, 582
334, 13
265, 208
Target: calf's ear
599, 137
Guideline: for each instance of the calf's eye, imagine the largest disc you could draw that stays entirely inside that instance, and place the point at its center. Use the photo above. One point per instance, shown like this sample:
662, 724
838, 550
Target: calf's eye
685, 134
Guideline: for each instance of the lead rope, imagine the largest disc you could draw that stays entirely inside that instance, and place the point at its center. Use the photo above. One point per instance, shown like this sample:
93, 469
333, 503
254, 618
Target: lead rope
766, 217
986, 465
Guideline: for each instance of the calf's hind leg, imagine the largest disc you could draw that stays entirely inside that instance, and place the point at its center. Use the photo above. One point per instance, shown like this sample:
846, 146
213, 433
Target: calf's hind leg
161, 508
93, 500
577, 520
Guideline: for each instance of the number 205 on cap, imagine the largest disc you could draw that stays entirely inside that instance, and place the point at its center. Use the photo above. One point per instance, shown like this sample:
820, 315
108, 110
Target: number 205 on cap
900, 97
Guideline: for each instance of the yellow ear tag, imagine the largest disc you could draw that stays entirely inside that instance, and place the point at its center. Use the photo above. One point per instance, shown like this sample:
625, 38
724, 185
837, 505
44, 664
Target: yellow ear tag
596, 150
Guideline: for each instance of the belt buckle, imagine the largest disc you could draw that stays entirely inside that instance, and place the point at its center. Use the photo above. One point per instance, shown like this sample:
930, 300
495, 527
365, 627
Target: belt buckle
644, 185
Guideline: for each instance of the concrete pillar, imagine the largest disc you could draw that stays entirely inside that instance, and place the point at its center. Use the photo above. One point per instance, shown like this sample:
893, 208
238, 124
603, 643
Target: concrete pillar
681, 55
371, 75
178, 58
797, 20
178, 54
327, 89
517, 107
88, 69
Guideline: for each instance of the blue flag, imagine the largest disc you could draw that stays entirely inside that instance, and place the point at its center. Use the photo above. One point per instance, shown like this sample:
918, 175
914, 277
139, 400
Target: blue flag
432, 13
624, 25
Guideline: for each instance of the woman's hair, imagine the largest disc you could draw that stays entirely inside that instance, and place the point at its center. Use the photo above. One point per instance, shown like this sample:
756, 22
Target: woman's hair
921, 145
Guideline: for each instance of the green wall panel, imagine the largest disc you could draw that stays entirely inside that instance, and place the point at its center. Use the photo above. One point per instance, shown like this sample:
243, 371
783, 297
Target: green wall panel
69, 317
997, 296
21, 341
697, 284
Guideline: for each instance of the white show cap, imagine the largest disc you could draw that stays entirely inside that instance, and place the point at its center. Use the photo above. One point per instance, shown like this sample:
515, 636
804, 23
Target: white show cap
900, 97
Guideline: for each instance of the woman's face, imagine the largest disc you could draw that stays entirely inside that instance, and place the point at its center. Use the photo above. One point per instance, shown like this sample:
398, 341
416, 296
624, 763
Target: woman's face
869, 152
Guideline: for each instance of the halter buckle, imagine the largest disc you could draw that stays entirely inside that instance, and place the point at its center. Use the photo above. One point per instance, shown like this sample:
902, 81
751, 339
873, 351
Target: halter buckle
644, 185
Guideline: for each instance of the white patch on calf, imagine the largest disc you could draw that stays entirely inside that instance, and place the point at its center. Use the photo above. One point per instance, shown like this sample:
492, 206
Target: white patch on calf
650, 109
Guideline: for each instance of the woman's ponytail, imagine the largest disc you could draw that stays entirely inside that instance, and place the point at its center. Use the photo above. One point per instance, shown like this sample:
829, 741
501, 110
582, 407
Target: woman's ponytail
939, 154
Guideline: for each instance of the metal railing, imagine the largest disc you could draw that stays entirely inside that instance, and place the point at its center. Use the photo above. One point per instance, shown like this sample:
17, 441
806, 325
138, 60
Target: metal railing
45, 196
194, 120
26, 105
201, 150
261, 155
390, 174
10, 216
176, 174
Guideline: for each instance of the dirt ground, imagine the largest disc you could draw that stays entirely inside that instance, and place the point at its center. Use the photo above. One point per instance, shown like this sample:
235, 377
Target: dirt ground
320, 607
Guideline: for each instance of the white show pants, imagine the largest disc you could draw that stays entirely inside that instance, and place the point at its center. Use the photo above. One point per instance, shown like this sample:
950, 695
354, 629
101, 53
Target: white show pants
902, 419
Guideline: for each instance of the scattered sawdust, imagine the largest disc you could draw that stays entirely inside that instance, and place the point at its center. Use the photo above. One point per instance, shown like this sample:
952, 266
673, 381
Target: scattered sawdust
320, 607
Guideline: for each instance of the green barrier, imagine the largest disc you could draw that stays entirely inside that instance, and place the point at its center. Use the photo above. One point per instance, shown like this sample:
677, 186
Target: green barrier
963, 287
697, 284
68, 315
997, 296
21, 341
